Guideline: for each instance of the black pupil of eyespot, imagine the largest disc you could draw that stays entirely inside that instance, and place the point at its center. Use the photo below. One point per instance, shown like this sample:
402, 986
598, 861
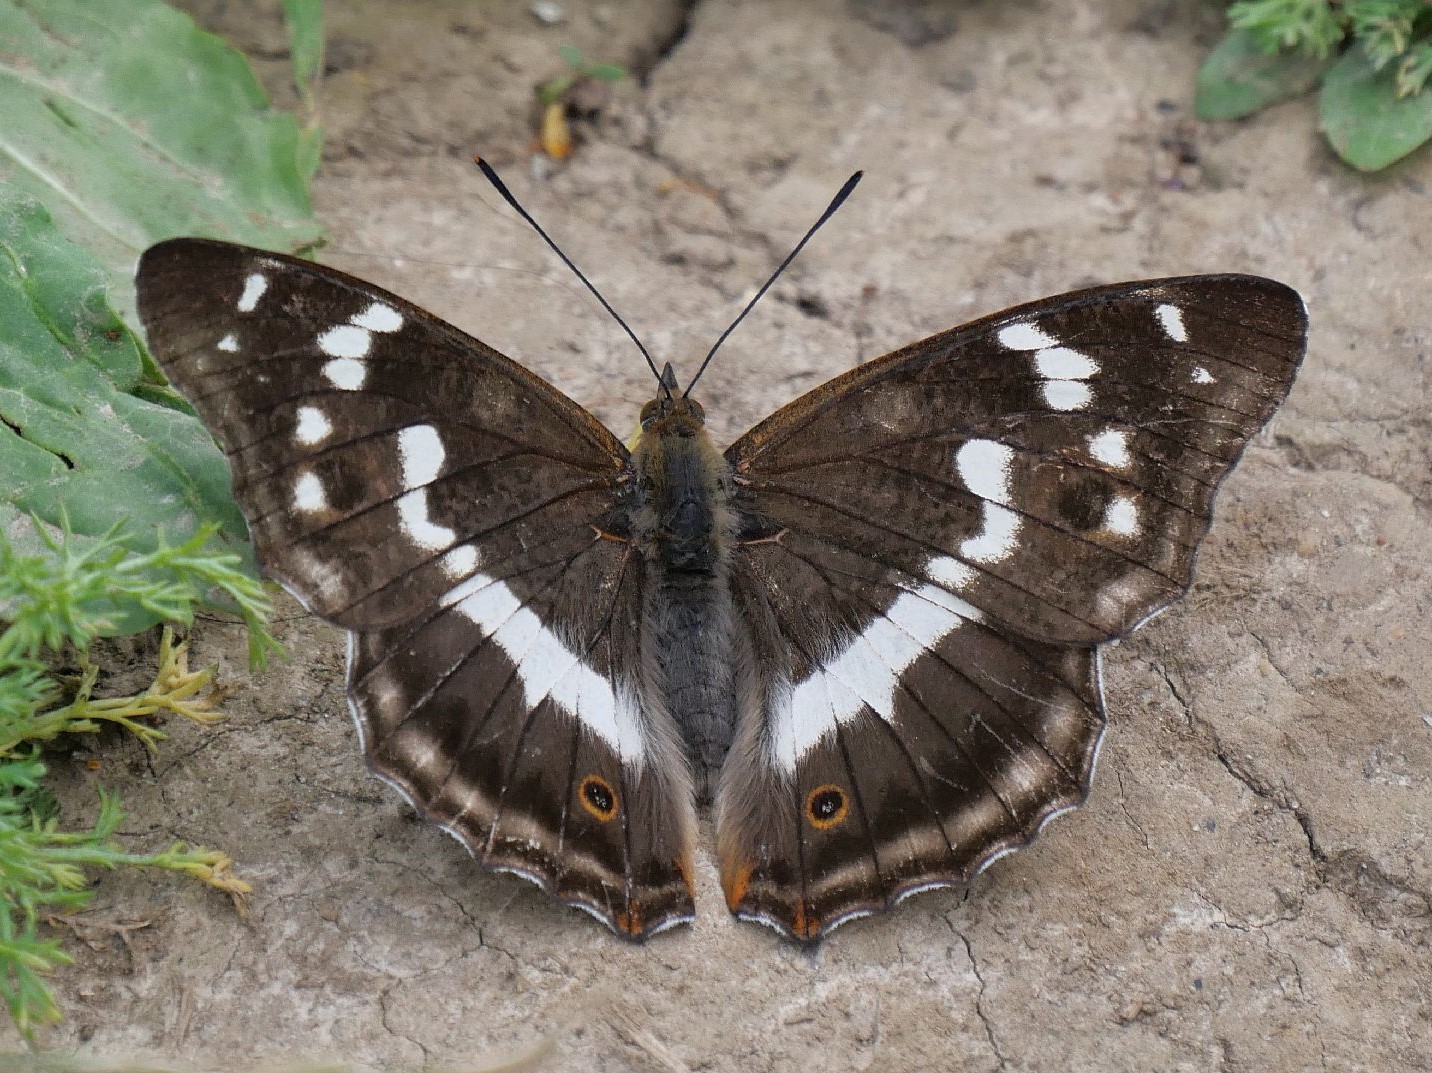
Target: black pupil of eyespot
599, 796
826, 804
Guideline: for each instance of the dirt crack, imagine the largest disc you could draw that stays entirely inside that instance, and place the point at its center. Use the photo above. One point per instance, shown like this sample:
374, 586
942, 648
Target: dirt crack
980, 1010
388, 1027
1280, 798
1382, 900
1268, 655
1129, 816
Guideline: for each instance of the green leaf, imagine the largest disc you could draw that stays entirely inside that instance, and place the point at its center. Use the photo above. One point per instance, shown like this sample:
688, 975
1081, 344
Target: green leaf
1310, 26
1365, 120
1415, 69
1383, 27
304, 19
573, 56
82, 445
1240, 77
131, 125
554, 89
607, 72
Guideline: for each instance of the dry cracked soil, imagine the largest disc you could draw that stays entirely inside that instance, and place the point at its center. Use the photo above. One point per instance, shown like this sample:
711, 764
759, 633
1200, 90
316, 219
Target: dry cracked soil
1247, 887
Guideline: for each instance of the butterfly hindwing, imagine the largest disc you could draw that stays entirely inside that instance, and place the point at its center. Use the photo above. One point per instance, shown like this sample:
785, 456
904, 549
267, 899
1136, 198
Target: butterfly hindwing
469, 709
464, 521
933, 545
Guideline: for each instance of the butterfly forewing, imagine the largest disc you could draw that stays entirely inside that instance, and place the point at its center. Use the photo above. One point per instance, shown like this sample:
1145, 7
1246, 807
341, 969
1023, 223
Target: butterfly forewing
932, 546
465, 521
360, 429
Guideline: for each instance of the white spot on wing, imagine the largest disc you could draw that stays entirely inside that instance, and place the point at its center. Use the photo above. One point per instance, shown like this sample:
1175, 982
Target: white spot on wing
949, 572
346, 373
422, 454
983, 466
420, 529
1202, 375
254, 288
546, 667
313, 427
460, 561
997, 539
864, 673
378, 318
1061, 363
1025, 336
1062, 369
1065, 394
1171, 320
1121, 516
229, 344
345, 341
1111, 447
308, 494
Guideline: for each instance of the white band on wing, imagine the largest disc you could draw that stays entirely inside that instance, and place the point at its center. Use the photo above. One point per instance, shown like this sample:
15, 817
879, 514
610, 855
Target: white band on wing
865, 673
546, 667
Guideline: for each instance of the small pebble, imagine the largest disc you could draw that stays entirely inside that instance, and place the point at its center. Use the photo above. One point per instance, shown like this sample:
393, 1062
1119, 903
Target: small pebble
548, 12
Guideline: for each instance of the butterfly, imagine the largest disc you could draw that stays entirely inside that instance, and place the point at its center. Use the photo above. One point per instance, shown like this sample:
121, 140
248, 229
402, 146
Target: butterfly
866, 633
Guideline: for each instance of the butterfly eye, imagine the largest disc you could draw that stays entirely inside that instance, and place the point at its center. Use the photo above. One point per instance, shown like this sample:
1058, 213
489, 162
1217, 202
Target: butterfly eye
598, 797
826, 807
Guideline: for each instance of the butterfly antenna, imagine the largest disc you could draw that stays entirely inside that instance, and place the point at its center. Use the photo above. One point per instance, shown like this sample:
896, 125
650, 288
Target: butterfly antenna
501, 187
835, 203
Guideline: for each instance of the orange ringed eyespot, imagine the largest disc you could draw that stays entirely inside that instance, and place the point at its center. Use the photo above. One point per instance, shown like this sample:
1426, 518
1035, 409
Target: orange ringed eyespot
598, 797
827, 807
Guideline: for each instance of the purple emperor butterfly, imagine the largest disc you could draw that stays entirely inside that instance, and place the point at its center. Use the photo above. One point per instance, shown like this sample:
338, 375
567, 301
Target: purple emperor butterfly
867, 632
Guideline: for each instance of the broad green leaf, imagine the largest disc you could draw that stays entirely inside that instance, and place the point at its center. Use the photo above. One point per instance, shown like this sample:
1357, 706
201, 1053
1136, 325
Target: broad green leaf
1240, 77
82, 444
1365, 121
131, 125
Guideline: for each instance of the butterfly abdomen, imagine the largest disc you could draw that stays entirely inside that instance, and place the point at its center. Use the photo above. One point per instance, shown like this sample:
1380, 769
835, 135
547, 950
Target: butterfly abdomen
683, 524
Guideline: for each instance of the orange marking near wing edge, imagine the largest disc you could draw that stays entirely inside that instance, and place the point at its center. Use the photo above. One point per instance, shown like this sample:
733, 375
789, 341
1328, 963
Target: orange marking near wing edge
736, 888
631, 921
806, 926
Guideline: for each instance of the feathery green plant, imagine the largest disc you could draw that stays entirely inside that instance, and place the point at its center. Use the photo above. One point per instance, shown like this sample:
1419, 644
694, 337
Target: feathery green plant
1372, 59
58, 603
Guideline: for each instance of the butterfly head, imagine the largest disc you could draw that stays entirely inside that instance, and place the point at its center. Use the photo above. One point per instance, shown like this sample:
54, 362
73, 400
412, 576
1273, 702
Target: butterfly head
672, 415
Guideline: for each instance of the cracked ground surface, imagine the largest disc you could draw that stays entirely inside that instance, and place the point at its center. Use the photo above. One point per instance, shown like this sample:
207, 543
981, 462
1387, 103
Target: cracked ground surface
1248, 886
